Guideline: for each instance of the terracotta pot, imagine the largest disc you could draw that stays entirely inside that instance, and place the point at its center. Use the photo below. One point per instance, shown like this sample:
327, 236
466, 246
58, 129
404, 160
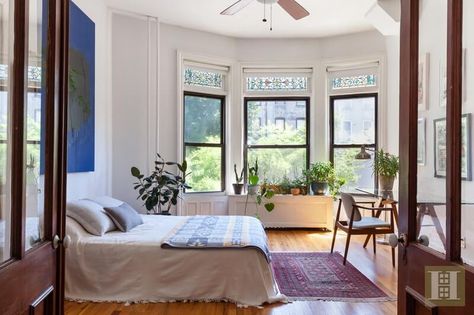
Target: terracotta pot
238, 188
386, 182
295, 191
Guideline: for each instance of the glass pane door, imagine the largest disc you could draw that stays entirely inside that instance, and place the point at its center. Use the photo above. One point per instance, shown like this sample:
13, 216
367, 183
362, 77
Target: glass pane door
467, 208
5, 128
432, 152
35, 123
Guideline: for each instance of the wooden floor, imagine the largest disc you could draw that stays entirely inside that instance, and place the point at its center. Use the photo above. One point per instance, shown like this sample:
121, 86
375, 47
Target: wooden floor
377, 268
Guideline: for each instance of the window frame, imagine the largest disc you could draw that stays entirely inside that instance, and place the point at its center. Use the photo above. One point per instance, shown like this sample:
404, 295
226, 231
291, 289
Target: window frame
306, 146
222, 144
333, 146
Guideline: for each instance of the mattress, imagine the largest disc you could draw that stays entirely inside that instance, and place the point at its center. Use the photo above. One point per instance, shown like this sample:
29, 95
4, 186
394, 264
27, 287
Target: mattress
132, 267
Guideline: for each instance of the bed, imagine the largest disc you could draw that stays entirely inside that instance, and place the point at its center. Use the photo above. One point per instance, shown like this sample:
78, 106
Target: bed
133, 267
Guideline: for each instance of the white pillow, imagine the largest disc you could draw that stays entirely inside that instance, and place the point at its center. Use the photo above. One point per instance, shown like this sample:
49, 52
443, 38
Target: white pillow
106, 201
91, 216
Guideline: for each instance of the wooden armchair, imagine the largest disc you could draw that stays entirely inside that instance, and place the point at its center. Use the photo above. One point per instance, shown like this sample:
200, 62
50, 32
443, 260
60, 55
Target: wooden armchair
359, 225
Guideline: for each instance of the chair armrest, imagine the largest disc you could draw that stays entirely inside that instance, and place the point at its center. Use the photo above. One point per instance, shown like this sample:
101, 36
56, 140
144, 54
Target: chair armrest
377, 209
365, 202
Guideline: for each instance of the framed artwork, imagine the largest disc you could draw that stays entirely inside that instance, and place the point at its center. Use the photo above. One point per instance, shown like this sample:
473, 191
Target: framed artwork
440, 147
81, 111
421, 141
423, 81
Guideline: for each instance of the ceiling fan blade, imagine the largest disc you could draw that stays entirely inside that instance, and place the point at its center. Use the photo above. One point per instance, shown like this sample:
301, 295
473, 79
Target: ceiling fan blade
293, 8
236, 7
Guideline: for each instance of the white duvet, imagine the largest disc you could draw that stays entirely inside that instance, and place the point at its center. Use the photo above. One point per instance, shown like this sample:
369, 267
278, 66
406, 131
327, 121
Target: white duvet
132, 267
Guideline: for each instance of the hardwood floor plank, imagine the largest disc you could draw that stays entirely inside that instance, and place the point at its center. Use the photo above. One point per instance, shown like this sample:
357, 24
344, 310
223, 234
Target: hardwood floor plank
377, 267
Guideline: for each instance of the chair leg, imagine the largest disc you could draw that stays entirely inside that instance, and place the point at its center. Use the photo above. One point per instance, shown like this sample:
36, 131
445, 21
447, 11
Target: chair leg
374, 240
333, 238
393, 257
348, 240
366, 241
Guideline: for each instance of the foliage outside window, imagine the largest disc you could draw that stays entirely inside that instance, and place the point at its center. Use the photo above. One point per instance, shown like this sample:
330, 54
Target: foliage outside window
204, 142
281, 150
353, 124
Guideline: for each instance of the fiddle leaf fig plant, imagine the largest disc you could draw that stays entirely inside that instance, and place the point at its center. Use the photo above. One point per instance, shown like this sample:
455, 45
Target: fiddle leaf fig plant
161, 189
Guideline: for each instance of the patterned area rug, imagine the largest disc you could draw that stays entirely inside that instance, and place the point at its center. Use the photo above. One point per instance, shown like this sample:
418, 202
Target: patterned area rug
322, 276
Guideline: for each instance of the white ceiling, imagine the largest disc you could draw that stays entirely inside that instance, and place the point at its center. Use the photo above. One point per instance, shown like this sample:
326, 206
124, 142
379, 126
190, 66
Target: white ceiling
327, 17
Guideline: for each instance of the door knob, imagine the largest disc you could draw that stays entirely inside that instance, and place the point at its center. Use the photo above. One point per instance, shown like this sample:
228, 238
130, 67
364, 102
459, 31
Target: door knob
394, 240
66, 241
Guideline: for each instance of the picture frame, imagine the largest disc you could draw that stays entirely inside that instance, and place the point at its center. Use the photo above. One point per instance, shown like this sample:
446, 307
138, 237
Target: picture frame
440, 148
423, 81
421, 141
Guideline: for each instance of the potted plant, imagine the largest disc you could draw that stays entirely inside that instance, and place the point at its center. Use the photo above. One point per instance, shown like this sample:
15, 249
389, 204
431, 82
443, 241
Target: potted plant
262, 196
296, 186
238, 185
319, 175
162, 188
285, 185
252, 187
386, 167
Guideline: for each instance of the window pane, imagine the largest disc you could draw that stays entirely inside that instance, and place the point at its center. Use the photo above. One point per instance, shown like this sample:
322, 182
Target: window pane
274, 164
359, 81
34, 231
357, 173
5, 131
354, 120
431, 181
467, 214
202, 119
277, 84
276, 122
205, 166
203, 78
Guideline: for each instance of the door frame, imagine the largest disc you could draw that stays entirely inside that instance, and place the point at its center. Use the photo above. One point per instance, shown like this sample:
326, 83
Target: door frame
28, 282
411, 274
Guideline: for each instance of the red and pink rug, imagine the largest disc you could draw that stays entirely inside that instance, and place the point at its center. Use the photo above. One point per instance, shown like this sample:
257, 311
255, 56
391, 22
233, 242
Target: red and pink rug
322, 276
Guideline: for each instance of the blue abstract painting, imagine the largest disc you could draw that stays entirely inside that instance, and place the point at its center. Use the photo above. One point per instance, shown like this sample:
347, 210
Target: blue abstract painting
81, 107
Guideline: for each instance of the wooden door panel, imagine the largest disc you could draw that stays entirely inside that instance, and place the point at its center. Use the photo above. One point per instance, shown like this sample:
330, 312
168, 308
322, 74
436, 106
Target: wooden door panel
413, 257
31, 282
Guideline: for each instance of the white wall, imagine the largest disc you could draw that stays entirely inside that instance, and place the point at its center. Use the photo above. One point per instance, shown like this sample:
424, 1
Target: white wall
172, 39
80, 185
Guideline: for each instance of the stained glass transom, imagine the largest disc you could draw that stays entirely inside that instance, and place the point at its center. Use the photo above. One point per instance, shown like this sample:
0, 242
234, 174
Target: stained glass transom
34, 73
277, 84
203, 78
359, 81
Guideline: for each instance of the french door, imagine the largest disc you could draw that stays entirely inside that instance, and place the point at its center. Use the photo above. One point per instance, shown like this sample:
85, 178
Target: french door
436, 252
33, 63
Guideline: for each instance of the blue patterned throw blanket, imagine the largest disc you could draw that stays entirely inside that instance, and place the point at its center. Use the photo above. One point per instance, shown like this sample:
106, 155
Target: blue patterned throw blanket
219, 232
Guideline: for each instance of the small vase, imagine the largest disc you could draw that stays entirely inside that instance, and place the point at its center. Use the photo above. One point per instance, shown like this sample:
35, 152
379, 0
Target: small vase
320, 188
386, 182
238, 188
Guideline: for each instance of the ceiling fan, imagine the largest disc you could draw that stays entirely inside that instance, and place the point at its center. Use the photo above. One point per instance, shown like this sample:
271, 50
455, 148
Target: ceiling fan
291, 6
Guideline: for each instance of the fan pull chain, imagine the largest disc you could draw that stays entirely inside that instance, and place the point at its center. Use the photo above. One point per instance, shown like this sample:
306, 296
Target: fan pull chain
264, 11
271, 17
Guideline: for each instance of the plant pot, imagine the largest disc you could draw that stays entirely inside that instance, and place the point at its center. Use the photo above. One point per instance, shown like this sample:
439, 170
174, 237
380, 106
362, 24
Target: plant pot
386, 182
253, 189
295, 191
320, 188
238, 188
